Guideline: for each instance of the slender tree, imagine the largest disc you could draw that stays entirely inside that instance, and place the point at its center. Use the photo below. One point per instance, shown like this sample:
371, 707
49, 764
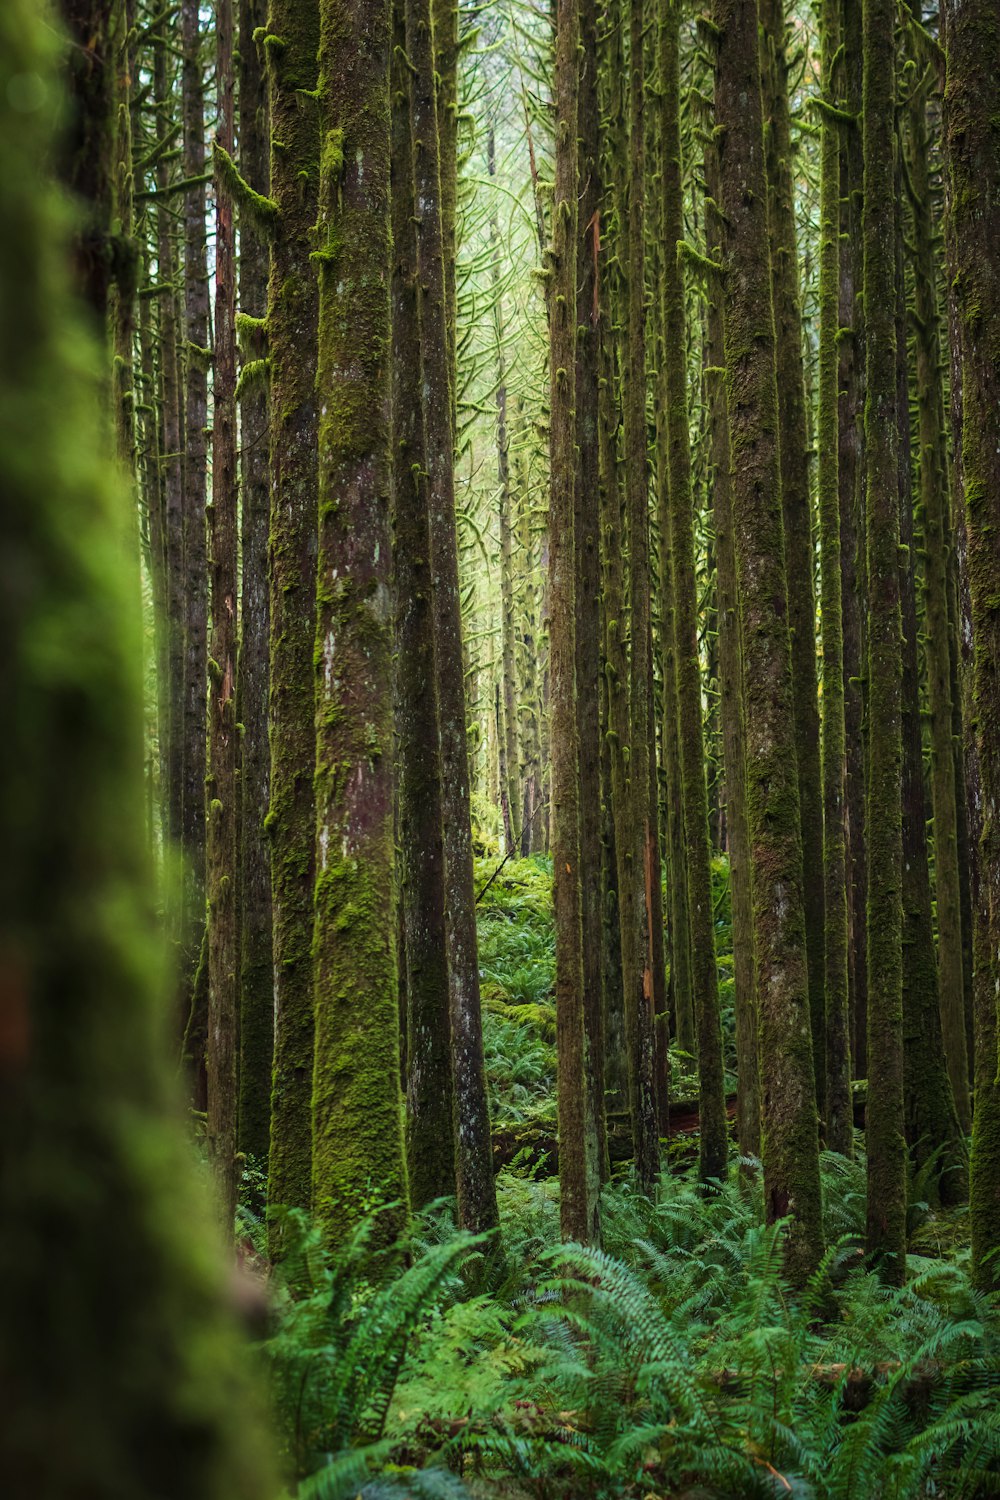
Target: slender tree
640, 998
430, 1144
839, 1116
972, 152
794, 464
256, 954
680, 520
587, 529
938, 636
886, 1146
192, 436
790, 1136
221, 785
477, 1206
290, 46
357, 1108
731, 690
578, 1165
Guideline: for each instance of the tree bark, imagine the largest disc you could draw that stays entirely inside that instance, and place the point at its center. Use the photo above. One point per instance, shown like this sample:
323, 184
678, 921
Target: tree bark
790, 1135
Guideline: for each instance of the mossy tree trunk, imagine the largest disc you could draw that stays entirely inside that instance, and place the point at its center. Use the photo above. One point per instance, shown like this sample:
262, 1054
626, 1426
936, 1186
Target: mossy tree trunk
886, 1145
790, 1145
641, 994
836, 939
587, 534
930, 1118
850, 468
731, 692
972, 151
680, 521
177, 600
794, 446
507, 726
476, 1191
937, 625
292, 310
430, 1144
578, 1164
256, 956
358, 1149
221, 781
193, 727
138, 1372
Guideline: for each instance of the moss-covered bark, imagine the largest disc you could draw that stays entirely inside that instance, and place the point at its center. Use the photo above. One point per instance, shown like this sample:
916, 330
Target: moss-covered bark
119, 1365
790, 1136
477, 1206
851, 432
838, 1112
578, 1164
587, 533
256, 955
886, 1145
510, 800
640, 995
171, 404
680, 521
972, 150
221, 872
937, 624
194, 445
931, 1121
290, 52
794, 448
358, 1151
731, 691
430, 1145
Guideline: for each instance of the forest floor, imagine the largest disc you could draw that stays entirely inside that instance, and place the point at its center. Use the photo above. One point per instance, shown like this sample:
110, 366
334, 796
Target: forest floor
673, 1362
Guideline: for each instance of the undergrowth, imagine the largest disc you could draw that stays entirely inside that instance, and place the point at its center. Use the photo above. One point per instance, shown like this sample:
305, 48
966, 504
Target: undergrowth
675, 1360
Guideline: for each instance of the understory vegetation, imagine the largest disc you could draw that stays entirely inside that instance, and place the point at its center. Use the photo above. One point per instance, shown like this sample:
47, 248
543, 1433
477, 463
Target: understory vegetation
676, 1359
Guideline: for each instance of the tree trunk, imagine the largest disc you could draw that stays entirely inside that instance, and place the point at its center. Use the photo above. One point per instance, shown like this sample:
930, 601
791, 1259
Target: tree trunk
86, 1104
256, 957
836, 946
358, 1149
221, 783
430, 1126
680, 523
193, 719
790, 1136
793, 448
476, 1191
292, 314
886, 1145
641, 994
731, 696
972, 152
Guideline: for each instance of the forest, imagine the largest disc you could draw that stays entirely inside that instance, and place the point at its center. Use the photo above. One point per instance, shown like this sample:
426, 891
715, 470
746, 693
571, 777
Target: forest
500, 781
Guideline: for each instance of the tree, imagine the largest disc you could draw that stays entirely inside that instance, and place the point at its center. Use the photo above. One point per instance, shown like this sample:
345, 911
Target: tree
137, 1371
477, 1208
358, 1149
886, 1146
430, 1133
290, 47
794, 465
972, 151
701, 908
790, 1136
578, 1164
256, 951
220, 782
836, 946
